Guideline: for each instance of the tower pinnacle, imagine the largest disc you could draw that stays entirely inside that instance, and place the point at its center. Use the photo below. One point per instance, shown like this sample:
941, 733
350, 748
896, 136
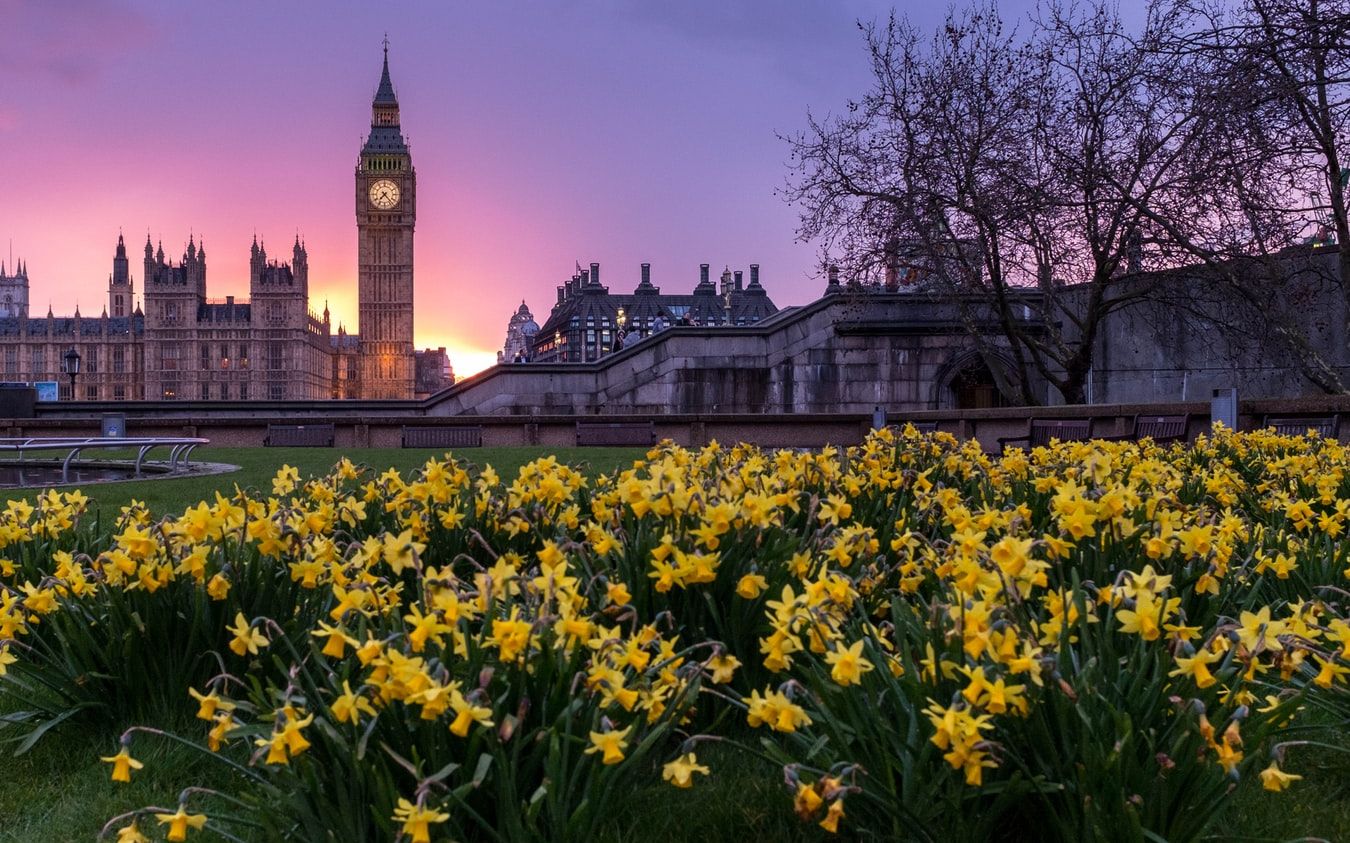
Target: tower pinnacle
384, 94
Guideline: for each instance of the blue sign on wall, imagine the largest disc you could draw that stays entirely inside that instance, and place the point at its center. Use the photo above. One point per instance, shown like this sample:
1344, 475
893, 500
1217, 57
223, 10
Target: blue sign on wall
46, 390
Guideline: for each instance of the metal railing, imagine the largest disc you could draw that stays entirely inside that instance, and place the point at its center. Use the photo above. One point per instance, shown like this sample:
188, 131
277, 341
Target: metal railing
180, 448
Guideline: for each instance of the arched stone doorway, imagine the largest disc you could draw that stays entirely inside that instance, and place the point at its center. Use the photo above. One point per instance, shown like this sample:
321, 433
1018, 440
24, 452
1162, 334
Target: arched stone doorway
974, 388
968, 384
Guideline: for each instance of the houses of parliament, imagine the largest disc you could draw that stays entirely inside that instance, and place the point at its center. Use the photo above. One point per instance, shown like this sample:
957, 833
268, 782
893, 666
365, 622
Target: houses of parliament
177, 343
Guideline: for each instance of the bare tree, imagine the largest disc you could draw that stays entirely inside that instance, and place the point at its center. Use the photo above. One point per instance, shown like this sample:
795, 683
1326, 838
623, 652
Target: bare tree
1268, 188
1019, 174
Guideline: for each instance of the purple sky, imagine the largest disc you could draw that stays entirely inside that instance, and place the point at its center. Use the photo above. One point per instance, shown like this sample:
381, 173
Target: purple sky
543, 134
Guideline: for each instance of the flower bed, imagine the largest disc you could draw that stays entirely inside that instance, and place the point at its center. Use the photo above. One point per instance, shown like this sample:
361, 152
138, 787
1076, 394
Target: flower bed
1088, 640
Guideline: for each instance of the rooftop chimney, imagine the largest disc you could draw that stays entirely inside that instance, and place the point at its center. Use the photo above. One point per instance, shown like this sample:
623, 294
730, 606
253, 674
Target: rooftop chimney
738, 281
561, 292
595, 273
703, 273
754, 275
834, 275
646, 275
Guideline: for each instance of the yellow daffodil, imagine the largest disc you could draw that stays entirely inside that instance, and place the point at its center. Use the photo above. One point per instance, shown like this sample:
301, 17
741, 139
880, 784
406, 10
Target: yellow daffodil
123, 764
246, 638
680, 772
1273, 778
609, 744
180, 821
417, 820
848, 664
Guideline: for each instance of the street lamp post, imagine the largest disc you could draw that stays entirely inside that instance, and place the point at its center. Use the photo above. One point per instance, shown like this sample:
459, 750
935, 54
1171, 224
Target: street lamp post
72, 368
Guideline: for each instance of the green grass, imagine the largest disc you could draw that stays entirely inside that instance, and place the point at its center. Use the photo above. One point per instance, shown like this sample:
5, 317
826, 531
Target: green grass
61, 791
258, 465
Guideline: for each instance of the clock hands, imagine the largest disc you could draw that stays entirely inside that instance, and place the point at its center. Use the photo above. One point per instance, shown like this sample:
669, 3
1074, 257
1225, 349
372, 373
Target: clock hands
384, 194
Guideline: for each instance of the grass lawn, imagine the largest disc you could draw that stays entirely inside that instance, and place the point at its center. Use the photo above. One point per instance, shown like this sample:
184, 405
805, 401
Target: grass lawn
258, 465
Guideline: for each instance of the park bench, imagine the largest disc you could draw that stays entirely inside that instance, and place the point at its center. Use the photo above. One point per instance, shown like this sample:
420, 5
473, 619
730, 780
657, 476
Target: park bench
1326, 426
299, 436
443, 436
1041, 431
1161, 429
616, 433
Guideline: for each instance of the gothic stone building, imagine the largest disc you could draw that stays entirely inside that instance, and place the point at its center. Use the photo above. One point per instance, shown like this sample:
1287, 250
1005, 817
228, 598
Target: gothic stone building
586, 316
180, 344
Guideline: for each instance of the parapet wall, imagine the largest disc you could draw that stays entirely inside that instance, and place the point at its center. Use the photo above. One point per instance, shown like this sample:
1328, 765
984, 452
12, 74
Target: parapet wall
799, 430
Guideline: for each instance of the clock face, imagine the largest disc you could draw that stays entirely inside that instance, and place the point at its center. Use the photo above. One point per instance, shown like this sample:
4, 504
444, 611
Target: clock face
384, 194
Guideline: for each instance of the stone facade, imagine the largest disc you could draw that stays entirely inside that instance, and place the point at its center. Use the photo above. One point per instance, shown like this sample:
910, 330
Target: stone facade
840, 354
587, 319
1190, 335
270, 347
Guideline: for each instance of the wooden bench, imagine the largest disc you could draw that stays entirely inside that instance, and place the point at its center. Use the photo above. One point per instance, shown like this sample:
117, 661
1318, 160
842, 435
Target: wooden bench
616, 433
1161, 429
443, 436
1326, 426
299, 436
1041, 431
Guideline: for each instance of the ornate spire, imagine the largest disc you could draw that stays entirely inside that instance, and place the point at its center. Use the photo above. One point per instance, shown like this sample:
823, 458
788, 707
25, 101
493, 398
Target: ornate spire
384, 95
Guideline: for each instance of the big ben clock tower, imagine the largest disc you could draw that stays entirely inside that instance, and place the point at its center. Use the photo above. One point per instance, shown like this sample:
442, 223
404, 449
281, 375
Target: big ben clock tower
386, 209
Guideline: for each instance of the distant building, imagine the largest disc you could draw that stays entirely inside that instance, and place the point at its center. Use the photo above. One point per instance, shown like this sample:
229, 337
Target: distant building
520, 333
586, 317
433, 371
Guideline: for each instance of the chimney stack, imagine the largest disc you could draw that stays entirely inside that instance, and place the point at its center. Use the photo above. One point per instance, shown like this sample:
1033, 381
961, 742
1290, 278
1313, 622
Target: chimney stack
738, 281
703, 273
561, 293
646, 275
754, 275
595, 273
834, 275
